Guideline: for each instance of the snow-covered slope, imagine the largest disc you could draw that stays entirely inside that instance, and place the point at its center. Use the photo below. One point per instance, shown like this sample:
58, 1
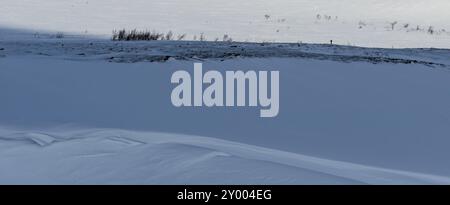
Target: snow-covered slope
359, 108
76, 108
354, 22
111, 156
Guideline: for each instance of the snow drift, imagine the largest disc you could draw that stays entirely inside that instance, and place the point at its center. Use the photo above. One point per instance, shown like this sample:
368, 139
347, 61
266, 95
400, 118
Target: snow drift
353, 109
111, 156
78, 109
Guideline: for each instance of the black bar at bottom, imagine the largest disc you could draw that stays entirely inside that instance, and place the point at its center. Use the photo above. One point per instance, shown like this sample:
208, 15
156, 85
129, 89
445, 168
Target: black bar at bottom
219, 193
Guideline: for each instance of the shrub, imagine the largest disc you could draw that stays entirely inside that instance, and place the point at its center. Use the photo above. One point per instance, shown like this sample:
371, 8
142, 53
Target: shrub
169, 36
431, 30
135, 35
202, 37
181, 37
393, 24
59, 35
227, 38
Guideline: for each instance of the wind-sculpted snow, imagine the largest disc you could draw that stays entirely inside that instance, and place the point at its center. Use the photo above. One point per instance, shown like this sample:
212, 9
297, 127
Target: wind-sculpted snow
370, 107
112, 156
354, 109
387, 115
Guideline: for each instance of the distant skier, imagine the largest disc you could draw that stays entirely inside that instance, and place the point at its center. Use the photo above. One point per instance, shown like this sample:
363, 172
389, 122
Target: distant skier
331, 42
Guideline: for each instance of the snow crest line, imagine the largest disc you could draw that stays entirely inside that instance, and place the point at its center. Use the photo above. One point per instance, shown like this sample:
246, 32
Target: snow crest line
171, 155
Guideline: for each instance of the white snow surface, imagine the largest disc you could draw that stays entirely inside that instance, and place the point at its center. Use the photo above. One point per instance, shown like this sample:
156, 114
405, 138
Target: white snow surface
81, 109
111, 156
347, 22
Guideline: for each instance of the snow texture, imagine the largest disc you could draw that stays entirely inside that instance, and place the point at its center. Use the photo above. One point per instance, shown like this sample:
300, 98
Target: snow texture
365, 23
77, 108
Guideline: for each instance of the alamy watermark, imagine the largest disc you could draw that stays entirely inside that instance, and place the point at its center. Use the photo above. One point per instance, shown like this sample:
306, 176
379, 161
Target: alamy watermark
235, 92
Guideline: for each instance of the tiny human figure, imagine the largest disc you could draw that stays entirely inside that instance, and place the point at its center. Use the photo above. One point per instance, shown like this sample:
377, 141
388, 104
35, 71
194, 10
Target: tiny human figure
331, 42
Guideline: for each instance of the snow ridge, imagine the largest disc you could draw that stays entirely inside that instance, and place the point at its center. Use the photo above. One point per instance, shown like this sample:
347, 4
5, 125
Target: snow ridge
112, 156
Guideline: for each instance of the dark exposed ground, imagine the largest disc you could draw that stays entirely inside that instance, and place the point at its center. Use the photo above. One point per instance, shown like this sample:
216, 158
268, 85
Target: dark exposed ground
160, 51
